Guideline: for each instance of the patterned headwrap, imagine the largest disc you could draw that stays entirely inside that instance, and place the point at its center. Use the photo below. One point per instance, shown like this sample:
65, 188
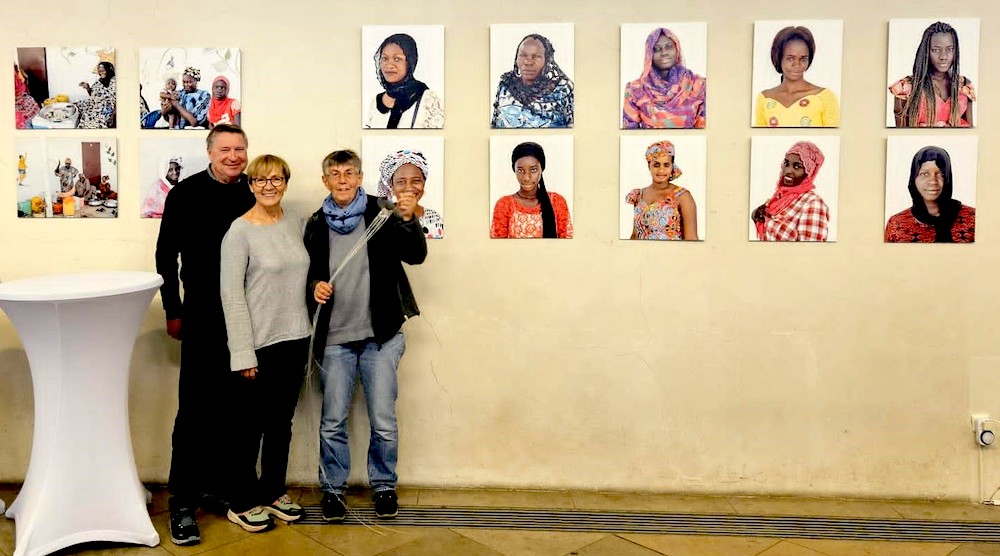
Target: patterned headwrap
194, 72
393, 162
812, 159
667, 148
657, 100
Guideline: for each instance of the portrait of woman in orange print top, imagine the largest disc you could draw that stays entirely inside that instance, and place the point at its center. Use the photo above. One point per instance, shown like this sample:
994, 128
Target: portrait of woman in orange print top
532, 211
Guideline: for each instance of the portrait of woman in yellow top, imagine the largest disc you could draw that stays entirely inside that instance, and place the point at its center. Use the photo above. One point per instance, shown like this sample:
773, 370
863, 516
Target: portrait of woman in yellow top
795, 101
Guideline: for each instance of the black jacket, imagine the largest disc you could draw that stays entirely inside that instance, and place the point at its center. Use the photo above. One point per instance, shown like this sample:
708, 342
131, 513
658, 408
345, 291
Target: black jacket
392, 299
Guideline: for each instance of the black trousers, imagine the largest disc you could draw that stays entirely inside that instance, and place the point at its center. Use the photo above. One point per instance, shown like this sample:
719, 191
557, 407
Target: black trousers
200, 450
261, 423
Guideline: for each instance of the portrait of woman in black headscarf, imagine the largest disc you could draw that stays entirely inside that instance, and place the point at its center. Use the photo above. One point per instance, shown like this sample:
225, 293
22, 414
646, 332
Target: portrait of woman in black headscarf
535, 92
405, 102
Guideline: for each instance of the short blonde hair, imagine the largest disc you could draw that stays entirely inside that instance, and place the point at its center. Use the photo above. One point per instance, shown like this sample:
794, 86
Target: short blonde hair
265, 164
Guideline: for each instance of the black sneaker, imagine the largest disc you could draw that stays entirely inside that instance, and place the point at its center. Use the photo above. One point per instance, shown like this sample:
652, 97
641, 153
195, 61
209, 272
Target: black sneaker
385, 504
333, 507
215, 504
184, 527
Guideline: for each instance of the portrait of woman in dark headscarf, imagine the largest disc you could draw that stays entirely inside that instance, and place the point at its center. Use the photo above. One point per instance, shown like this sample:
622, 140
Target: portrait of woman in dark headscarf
532, 211
97, 111
535, 92
934, 216
405, 102
667, 94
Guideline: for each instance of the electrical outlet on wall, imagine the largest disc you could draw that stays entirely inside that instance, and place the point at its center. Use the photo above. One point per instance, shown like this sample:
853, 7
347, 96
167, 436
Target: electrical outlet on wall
981, 426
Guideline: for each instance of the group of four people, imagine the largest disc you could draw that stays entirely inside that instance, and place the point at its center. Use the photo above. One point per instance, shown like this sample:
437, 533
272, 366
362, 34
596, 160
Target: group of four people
252, 272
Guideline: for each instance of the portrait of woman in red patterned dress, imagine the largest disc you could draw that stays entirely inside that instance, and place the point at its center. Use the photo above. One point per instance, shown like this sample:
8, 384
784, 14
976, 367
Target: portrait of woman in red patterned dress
934, 217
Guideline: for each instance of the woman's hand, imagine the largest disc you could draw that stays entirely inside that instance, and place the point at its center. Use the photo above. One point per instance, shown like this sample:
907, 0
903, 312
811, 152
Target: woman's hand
406, 203
250, 373
322, 292
86, 86
759, 213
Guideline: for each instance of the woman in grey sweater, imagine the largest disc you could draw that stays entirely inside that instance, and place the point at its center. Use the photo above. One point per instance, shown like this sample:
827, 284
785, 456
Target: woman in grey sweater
264, 267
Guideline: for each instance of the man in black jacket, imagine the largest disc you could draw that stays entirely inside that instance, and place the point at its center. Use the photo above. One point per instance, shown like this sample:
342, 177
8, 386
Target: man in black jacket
196, 216
359, 332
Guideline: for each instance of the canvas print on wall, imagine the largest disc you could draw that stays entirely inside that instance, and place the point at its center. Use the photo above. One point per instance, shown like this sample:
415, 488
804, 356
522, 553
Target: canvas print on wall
531, 186
402, 76
796, 73
933, 67
66, 178
65, 88
663, 75
531, 72
163, 163
662, 187
930, 189
403, 164
189, 88
794, 185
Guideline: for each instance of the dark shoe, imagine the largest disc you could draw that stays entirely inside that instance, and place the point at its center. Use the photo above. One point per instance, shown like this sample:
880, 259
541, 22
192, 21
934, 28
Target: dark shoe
184, 527
385, 504
333, 507
214, 504
284, 509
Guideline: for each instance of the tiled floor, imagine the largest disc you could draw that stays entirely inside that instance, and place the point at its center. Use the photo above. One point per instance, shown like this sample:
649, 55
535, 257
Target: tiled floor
221, 538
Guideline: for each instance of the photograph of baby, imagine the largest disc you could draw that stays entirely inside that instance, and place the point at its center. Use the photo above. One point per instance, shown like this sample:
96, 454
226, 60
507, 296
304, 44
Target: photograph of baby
65, 88
930, 189
664, 83
163, 163
189, 88
531, 74
531, 186
797, 68
413, 164
662, 187
402, 76
66, 178
794, 188
932, 62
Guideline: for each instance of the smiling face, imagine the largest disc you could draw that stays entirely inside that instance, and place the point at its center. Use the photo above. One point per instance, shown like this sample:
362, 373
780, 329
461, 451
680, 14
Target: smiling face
794, 60
220, 89
664, 53
101, 72
661, 168
530, 60
392, 63
942, 52
173, 173
929, 181
528, 171
228, 156
170, 85
408, 178
269, 187
343, 181
792, 171
190, 84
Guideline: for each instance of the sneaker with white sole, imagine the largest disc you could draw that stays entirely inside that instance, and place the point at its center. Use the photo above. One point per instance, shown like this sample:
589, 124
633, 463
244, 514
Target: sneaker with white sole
284, 509
386, 505
253, 520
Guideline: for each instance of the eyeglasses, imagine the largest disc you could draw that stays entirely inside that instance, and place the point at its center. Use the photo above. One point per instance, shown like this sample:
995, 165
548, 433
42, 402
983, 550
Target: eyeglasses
260, 183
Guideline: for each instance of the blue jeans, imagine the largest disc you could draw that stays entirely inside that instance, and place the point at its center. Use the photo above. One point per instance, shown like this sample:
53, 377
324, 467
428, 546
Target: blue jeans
376, 365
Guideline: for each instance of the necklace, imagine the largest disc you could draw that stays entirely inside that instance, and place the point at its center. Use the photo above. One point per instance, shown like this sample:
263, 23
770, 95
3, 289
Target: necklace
525, 197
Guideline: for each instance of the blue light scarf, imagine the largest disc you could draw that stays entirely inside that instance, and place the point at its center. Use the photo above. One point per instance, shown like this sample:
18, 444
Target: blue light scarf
343, 220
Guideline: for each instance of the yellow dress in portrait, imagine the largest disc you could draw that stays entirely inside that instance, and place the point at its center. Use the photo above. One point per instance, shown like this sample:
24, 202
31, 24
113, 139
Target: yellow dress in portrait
818, 110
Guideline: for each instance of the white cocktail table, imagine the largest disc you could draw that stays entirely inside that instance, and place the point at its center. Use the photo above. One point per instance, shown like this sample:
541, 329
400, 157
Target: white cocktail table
78, 331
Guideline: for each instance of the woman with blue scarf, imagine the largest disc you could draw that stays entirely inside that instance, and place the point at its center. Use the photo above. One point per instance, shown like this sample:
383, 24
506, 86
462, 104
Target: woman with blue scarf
359, 329
407, 103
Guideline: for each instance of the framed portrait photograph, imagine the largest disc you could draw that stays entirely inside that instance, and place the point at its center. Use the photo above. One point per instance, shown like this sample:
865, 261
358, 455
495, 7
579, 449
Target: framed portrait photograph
662, 187
531, 75
402, 76
65, 88
59, 177
163, 162
189, 88
531, 186
397, 163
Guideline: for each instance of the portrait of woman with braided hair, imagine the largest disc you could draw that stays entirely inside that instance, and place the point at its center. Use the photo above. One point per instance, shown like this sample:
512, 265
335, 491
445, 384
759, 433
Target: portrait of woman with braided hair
403, 93
939, 91
536, 90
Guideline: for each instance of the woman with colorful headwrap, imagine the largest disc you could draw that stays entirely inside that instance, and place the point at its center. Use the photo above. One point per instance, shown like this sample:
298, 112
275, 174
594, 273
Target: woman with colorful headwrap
170, 175
531, 211
667, 94
663, 210
407, 103
223, 109
407, 170
795, 212
97, 111
536, 93
936, 79
193, 105
934, 217
25, 106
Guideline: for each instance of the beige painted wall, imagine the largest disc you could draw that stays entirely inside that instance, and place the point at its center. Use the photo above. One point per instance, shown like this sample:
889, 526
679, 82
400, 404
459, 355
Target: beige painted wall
717, 367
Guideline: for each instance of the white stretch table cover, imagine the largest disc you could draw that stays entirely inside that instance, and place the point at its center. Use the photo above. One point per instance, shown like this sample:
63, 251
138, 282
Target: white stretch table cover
78, 331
